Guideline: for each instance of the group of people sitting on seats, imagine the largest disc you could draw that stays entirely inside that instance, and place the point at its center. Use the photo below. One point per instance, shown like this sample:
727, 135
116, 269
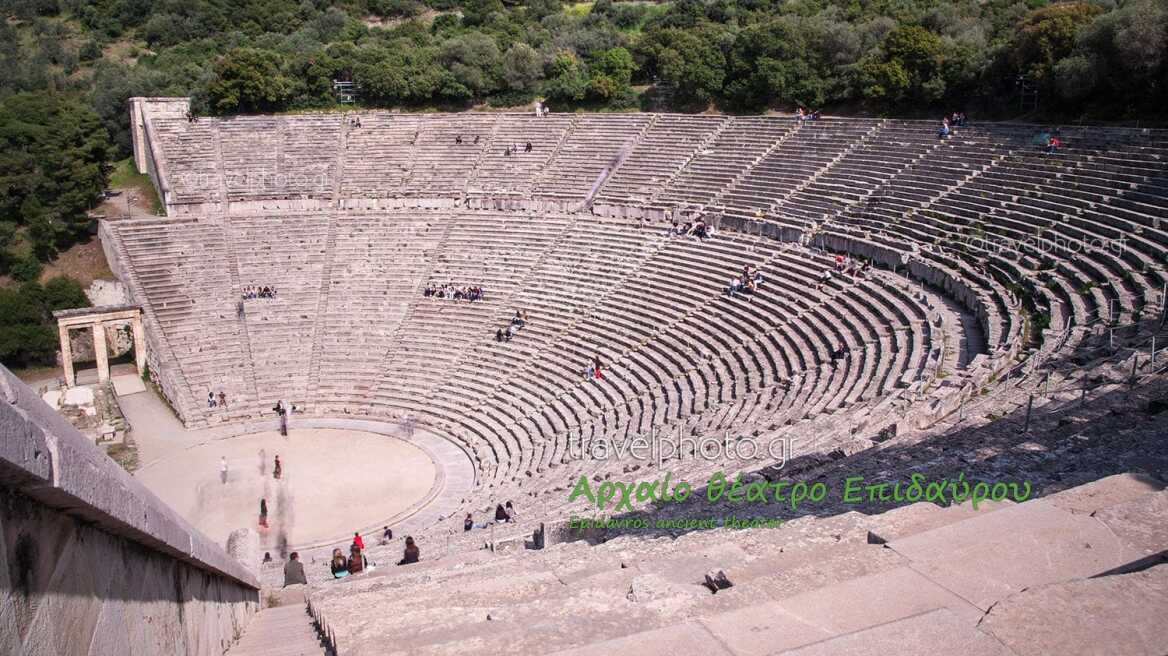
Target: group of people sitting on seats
449, 291
699, 229
514, 150
958, 121
503, 514
355, 122
256, 291
518, 321
458, 139
747, 283
844, 265
342, 566
805, 115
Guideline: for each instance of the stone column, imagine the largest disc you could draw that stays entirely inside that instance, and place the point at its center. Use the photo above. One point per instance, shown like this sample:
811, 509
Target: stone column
66, 355
100, 352
139, 344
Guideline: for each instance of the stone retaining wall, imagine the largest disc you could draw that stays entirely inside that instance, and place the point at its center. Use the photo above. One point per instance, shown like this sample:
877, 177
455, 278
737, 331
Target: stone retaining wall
93, 563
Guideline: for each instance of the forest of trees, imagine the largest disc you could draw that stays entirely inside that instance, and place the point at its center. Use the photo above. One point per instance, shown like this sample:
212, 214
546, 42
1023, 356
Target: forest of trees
69, 66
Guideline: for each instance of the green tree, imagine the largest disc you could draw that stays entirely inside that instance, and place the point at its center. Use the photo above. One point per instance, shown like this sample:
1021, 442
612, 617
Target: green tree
567, 80
53, 167
522, 67
249, 80
64, 293
26, 334
1047, 35
688, 60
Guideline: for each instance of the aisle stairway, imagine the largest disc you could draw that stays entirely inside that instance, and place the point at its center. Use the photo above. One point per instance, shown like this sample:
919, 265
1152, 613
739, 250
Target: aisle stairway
280, 631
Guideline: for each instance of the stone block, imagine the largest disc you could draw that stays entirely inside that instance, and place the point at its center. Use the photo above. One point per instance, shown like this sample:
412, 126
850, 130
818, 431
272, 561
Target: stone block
1122, 614
989, 557
689, 639
935, 632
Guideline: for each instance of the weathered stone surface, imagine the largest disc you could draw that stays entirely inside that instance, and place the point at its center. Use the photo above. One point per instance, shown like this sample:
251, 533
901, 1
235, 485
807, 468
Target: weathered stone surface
1096, 495
834, 610
916, 518
90, 562
989, 557
244, 545
688, 639
1122, 614
936, 632
1142, 522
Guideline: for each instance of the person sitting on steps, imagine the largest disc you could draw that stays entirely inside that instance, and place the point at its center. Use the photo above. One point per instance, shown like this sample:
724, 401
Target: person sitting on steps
294, 571
339, 565
411, 554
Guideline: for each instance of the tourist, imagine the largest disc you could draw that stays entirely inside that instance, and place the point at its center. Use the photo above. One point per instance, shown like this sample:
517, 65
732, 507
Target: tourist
517, 320
339, 565
264, 513
476, 139
596, 370
267, 557
411, 554
357, 541
468, 523
499, 335
501, 515
458, 139
527, 147
210, 399
357, 562
386, 535
223, 469
294, 571
284, 424
222, 399
511, 516
943, 131
507, 152
278, 408
278, 469
510, 332
1052, 145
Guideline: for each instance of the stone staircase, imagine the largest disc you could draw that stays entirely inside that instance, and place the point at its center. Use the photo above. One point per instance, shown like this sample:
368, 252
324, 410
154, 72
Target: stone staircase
281, 631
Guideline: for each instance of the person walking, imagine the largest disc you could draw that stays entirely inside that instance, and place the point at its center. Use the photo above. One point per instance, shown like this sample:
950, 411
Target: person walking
264, 513
223, 469
278, 470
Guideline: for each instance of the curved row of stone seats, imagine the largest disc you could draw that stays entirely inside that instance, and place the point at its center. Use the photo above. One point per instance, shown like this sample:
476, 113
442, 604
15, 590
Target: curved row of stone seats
179, 270
731, 153
440, 167
192, 167
651, 307
938, 580
296, 156
594, 145
499, 175
1027, 198
378, 155
377, 263
810, 148
287, 254
664, 149
636, 375
895, 146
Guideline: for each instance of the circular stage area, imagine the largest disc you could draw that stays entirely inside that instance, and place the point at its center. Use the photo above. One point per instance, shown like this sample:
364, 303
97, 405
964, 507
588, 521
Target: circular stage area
333, 482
